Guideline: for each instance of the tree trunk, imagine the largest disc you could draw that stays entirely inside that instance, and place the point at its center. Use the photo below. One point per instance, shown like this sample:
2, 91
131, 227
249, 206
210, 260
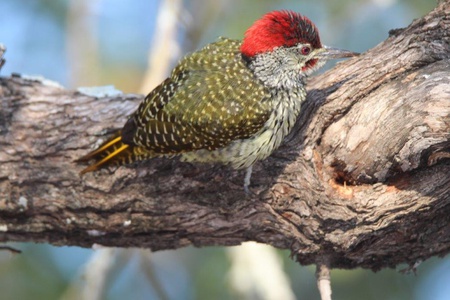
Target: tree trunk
363, 181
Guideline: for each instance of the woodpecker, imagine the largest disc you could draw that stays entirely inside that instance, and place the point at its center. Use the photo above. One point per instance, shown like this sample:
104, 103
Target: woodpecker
232, 102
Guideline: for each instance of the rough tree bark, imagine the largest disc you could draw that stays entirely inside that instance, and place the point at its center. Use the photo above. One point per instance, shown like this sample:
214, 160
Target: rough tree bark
363, 181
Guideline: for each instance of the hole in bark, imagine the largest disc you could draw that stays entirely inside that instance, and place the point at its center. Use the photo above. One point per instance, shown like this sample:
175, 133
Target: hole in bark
340, 176
340, 179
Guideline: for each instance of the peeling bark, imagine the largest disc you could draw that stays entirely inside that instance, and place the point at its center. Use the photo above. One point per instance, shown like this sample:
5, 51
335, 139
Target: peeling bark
363, 181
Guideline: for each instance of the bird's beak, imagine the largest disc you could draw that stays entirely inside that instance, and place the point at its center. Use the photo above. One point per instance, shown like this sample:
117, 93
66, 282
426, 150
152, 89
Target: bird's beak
333, 53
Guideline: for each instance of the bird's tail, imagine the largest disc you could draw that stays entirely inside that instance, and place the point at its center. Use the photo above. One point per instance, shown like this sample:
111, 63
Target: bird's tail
113, 152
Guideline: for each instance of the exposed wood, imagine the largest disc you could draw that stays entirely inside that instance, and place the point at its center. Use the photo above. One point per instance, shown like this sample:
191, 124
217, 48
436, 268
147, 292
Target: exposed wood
362, 182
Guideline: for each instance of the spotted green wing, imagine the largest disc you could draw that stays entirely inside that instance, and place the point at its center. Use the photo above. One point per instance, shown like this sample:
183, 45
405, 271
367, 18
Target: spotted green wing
210, 100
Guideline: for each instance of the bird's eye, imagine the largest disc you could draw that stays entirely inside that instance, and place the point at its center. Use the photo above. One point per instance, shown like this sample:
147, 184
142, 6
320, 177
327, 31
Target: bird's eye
305, 50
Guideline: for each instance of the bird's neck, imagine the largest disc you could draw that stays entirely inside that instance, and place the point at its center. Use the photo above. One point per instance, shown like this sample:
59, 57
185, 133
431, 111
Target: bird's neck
274, 73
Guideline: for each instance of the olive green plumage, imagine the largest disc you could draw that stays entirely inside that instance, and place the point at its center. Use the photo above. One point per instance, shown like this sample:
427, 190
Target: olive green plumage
210, 100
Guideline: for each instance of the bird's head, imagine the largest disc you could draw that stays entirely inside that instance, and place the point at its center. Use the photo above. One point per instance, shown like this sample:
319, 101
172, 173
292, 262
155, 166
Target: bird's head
283, 47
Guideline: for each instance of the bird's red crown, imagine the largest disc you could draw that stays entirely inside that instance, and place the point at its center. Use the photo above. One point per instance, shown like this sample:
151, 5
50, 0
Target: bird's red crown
278, 29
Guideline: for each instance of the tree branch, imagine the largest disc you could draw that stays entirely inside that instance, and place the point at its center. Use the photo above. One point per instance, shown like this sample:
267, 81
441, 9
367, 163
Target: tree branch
363, 181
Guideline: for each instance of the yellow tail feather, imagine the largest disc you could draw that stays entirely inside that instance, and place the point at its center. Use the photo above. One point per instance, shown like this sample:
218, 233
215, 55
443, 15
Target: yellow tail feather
113, 151
111, 142
104, 161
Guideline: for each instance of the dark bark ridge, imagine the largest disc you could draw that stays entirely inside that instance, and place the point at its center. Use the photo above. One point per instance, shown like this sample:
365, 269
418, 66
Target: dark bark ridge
363, 181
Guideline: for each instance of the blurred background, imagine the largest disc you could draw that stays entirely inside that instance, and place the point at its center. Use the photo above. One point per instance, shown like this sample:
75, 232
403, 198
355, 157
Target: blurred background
133, 45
